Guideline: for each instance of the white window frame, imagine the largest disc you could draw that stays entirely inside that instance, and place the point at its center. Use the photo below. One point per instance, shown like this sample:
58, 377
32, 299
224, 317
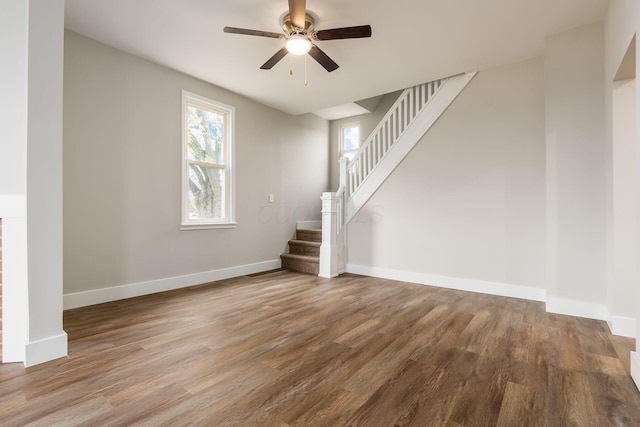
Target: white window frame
342, 127
228, 112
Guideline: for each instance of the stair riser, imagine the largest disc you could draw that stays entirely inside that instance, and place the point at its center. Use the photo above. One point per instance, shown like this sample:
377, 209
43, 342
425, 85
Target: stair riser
301, 266
309, 235
304, 250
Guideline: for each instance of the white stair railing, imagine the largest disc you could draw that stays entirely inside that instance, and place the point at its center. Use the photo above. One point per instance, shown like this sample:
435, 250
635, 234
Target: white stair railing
392, 126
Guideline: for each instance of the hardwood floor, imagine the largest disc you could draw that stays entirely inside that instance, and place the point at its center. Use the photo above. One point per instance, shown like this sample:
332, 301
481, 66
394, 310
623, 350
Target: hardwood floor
288, 349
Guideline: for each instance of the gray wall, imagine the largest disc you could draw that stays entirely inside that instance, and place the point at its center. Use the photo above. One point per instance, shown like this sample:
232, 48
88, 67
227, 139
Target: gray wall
576, 185
468, 201
122, 166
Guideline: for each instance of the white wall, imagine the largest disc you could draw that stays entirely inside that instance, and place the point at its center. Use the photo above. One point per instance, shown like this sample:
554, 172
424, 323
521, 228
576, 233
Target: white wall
468, 202
13, 102
122, 174
13, 175
576, 186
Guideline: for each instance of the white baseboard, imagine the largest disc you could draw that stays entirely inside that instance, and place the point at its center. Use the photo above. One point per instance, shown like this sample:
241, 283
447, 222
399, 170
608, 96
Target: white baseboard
114, 293
619, 325
471, 285
570, 307
635, 368
623, 326
44, 350
309, 225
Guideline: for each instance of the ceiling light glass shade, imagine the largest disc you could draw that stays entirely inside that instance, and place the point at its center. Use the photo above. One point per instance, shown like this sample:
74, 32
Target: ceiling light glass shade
298, 45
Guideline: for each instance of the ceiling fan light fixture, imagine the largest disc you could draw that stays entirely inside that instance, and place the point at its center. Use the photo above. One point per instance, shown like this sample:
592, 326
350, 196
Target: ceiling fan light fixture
300, 35
298, 45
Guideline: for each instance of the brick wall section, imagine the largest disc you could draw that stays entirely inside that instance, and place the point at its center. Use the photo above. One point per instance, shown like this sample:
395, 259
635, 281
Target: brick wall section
0, 290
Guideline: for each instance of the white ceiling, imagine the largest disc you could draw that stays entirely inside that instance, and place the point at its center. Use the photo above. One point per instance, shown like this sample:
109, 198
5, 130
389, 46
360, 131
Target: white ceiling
413, 41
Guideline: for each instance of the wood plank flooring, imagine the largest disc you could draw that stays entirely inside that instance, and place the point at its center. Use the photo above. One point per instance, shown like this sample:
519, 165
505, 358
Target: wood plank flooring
285, 349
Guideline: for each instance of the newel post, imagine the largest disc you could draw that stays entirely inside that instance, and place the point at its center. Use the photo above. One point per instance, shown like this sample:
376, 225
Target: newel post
343, 172
328, 248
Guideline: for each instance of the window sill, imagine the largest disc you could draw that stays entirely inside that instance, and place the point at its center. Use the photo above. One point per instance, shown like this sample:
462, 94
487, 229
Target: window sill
186, 227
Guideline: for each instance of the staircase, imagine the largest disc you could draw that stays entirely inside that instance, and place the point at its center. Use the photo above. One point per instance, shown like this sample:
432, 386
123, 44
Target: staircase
322, 251
410, 117
406, 122
304, 252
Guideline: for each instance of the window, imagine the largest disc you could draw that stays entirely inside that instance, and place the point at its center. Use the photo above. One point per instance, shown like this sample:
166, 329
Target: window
349, 140
207, 159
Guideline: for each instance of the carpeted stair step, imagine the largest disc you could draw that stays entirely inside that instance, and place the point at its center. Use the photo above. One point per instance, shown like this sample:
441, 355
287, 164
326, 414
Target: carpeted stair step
301, 263
309, 235
304, 247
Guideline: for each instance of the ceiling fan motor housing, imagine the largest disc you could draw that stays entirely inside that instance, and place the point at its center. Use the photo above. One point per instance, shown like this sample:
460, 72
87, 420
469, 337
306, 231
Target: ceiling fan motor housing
290, 29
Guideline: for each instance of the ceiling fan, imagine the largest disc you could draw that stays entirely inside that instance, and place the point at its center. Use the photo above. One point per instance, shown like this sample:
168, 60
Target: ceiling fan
300, 36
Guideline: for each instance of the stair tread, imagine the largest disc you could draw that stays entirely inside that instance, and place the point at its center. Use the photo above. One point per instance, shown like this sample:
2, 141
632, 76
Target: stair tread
305, 243
309, 234
301, 257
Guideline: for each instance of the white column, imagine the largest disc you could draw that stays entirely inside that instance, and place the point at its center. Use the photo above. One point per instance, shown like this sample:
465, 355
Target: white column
46, 338
329, 249
31, 51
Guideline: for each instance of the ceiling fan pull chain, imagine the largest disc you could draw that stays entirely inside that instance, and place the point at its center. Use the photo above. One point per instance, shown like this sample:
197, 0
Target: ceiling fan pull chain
305, 70
291, 66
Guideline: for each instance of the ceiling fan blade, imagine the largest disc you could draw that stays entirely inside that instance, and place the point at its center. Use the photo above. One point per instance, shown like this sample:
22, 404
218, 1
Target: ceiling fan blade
323, 59
297, 13
274, 59
235, 30
345, 33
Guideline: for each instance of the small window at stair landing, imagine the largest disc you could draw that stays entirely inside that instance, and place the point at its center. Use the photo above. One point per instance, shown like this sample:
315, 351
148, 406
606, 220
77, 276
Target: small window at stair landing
349, 140
207, 163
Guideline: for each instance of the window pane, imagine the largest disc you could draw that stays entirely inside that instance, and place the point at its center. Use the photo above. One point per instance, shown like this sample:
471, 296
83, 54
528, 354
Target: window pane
206, 192
205, 135
351, 138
